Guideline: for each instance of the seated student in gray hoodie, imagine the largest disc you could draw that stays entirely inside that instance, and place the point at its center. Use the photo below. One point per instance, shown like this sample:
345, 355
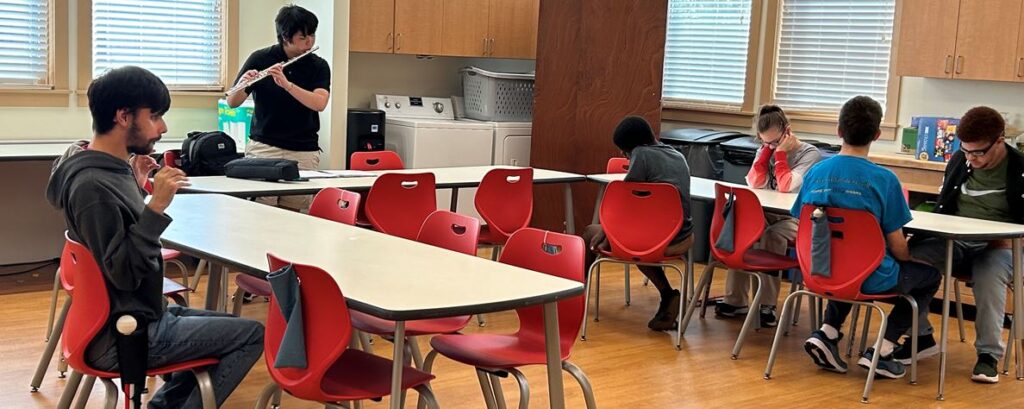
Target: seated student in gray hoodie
100, 192
651, 161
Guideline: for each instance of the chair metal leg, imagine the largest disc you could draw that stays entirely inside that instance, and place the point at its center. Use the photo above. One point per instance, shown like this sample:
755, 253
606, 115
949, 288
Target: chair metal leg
275, 401
678, 336
236, 301
111, 394
959, 310
524, 388
1011, 345
206, 389
626, 269
914, 328
793, 287
855, 313
499, 394
706, 294
70, 390
864, 335
480, 320
414, 349
874, 357
595, 269
364, 342
786, 311
85, 391
705, 282
265, 395
812, 312
428, 396
428, 365
203, 265
485, 387
179, 299
51, 346
181, 268
752, 317
588, 389
597, 296
53, 305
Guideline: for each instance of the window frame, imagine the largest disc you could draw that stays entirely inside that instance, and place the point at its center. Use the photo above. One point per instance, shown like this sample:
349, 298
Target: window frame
56, 90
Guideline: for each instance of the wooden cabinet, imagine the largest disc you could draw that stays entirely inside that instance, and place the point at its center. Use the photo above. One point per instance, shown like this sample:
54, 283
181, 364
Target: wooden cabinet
418, 26
371, 25
961, 39
465, 28
1020, 52
513, 28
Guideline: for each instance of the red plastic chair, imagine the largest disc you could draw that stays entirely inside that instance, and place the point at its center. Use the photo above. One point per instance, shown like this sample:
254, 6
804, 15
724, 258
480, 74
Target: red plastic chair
335, 373
857, 248
505, 201
89, 315
617, 165
443, 229
375, 160
398, 203
492, 355
639, 221
330, 203
749, 222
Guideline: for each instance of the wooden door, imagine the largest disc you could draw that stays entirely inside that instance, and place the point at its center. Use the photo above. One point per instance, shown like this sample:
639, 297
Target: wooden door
513, 28
927, 40
418, 26
986, 40
465, 28
371, 26
1020, 52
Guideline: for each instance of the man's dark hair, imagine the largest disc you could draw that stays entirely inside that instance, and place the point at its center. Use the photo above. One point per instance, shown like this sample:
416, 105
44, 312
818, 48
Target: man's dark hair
981, 124
293, 19
633, 131
127, 87
859, 120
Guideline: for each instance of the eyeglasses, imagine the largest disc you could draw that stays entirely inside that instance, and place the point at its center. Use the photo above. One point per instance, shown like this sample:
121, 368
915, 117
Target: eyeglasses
977, 153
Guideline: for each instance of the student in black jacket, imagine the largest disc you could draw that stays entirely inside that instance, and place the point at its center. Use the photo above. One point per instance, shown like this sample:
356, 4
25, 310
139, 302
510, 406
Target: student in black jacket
100, 191
984, 180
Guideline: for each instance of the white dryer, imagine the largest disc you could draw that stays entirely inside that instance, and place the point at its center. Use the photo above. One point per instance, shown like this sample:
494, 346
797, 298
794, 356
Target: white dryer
512, 143
424, 132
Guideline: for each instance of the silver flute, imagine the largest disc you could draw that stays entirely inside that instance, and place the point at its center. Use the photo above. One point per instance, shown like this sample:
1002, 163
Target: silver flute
266, 73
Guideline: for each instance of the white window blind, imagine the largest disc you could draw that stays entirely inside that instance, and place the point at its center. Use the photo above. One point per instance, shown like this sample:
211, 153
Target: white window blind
832, 50
706, 51
178, 40
24, 43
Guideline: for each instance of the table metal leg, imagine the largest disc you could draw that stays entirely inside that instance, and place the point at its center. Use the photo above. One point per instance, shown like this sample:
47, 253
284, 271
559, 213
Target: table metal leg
570, 222
943, 343
597, 205
397, 366
1018, 303
554, 356
455, 200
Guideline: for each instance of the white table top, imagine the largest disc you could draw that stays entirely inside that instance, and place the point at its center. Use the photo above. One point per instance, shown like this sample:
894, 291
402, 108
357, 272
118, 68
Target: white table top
51, 150
468, 176
942, 225
424, 282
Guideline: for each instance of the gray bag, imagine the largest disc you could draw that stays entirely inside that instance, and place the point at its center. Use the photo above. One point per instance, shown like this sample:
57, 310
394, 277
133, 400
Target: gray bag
727, 237
821, 244
286, 286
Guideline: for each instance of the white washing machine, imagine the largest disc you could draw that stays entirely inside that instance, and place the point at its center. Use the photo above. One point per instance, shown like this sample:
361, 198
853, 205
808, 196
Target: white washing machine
424, 132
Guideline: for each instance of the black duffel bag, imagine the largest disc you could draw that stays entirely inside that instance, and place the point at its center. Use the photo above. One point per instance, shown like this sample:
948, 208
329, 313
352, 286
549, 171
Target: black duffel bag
270, 169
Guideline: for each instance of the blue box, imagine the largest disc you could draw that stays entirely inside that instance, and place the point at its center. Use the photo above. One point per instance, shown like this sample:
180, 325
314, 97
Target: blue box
936, 138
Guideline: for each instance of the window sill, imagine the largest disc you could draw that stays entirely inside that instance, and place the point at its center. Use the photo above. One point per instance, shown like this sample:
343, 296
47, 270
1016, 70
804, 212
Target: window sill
179, 99
802, 122
21, 97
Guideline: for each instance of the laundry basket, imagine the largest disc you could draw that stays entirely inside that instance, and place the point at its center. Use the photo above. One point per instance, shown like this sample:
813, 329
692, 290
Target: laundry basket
500, 97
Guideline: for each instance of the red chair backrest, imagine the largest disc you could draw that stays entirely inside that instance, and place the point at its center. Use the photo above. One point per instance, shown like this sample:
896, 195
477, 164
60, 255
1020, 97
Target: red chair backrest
505, 200
450, 231
376, 160
556, 254
398, 203
171, 158
617, 165
335, 204
857, 248
640, 219
748, 218
325, 318
89, 312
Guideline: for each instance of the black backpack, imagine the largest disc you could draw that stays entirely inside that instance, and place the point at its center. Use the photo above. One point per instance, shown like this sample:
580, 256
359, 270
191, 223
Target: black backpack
206, 153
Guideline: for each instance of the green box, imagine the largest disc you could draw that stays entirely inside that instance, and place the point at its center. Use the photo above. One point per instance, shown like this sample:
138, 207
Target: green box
908, 140
235, 122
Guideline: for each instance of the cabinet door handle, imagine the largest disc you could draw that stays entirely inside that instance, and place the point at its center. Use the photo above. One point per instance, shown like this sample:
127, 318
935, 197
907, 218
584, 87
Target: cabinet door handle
398, 42
947, 65
959, 65
1020, 67
492, 46
391, 41
485, 46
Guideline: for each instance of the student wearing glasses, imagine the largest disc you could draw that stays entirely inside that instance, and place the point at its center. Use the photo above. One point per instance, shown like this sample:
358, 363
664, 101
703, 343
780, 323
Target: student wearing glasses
984, 180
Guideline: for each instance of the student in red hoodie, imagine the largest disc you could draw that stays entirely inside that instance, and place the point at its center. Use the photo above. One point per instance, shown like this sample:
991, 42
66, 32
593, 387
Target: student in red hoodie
780, 165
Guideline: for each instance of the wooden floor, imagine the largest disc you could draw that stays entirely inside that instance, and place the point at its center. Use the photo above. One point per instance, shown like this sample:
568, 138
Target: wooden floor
629, 366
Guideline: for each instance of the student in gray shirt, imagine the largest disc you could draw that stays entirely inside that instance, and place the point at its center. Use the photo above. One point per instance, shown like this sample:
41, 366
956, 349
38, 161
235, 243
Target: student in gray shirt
652, 161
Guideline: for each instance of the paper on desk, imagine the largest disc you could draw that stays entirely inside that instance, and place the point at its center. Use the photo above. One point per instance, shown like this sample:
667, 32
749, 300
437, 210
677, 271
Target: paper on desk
322, 174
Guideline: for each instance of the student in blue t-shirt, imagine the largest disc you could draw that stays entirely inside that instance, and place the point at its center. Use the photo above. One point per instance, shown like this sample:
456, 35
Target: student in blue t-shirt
850, 181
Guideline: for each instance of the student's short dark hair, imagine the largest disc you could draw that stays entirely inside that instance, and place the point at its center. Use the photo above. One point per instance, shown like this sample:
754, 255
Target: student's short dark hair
129, 87
770, 117
293, 19
860, 120
981, 124
631, 132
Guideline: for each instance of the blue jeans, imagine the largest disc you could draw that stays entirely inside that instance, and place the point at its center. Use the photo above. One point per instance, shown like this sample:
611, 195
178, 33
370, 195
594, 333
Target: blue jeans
185, 334
992, 271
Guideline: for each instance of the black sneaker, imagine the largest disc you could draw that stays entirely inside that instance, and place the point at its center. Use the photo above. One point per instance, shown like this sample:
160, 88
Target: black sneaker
926, 348
724, 310
668, 311
986, 370
825, 352
768, 319
887, 366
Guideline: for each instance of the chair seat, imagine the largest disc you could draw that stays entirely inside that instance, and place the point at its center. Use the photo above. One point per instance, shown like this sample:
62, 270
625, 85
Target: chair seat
764, 261
253, 285
357, 375
379, 326
173, 287
488, 237
168, 254
178, 367
662, 259
492, 350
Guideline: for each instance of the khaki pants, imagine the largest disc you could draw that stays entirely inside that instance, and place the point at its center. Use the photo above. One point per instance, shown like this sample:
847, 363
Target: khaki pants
307, 161
781, 230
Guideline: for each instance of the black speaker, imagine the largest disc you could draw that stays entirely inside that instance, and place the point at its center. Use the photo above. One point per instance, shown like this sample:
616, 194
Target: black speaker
365, 132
